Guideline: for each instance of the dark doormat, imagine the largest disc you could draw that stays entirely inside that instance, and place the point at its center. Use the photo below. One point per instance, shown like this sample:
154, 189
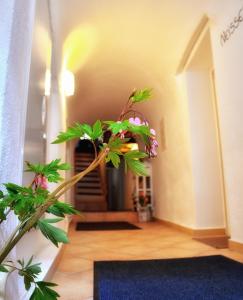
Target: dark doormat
105, 226
200, 278
219, 242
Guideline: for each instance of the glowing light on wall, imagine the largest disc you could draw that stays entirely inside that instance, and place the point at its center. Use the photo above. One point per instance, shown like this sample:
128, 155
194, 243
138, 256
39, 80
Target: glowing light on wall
47, 83
42, 39
77, 47
68, 83
129, 147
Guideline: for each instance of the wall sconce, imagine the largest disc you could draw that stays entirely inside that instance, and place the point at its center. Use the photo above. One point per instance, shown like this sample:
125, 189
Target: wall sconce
48, 83
68, 83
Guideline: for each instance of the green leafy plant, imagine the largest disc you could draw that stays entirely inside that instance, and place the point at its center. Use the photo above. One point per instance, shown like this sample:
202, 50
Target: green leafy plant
29, 203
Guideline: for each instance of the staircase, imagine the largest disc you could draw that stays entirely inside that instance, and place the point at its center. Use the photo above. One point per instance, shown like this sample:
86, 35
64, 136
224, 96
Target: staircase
90, 192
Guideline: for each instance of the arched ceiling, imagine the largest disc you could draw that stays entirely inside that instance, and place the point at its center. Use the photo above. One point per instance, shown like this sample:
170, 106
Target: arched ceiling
114, 46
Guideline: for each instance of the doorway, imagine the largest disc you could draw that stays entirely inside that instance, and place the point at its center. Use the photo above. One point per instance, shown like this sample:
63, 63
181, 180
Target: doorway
104, 189
207, 160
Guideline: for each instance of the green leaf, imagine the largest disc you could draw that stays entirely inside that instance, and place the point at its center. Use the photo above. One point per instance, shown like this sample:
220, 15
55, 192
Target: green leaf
135, 154
73, 132
29, 272
13, 188
97, 130
61, 209
37, 295
114, 158
3, 269
1, 195
4, 204
134, 164
139, 129
30, 261
115, 144
136, 167
54, 220
54, 234
43, 291
34, 269
50, 171
145, 139
118, 126
64, 167
141, 95
78, 131
22, 200
88, 130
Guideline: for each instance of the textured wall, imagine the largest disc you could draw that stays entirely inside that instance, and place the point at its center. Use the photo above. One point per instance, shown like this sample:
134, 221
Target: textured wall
207, 184
228, 74
16, 25
5, 42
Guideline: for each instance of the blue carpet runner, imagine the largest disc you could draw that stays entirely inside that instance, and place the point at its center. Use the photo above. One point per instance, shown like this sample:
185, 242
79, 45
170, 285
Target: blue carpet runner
199, 278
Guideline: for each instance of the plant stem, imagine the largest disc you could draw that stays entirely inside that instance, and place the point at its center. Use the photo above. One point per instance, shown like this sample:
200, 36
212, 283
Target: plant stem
75, 179
52, 198
65, 183
95, 150
21, 224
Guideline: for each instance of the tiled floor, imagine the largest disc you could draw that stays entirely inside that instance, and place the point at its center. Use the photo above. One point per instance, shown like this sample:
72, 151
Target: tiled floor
75, 271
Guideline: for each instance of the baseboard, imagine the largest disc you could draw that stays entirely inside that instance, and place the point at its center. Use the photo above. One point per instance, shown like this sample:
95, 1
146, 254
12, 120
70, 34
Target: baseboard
211, 232
175, 226
195, 233
236, 246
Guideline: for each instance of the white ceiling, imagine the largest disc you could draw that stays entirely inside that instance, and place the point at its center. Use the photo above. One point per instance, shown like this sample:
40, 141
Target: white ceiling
126, 44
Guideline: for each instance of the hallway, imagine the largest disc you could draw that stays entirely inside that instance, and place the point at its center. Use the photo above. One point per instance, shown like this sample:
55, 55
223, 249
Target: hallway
74, 273
69, 64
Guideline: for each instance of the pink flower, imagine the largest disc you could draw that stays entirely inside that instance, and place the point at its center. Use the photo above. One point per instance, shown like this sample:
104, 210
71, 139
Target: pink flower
152, 131
40, 181
155, 143
135, 121
122, 134
151, 149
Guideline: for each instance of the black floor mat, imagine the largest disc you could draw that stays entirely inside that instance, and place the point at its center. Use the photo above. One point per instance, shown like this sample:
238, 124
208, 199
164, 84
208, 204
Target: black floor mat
93, 226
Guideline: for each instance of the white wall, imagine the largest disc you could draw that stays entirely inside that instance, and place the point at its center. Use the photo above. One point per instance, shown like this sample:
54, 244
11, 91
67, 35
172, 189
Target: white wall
38, 149
228, 72
209, 202
168, 169
35, 146
25, 71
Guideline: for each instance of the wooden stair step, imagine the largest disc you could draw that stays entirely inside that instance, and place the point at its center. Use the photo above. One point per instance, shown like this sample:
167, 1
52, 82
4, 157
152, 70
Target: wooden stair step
89, 195
86, 192
84, 157
89, 189
82, 163
83, 167
89, 198
89, 180
84, 153
89, 207
89, 184
90, 174
119, 216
